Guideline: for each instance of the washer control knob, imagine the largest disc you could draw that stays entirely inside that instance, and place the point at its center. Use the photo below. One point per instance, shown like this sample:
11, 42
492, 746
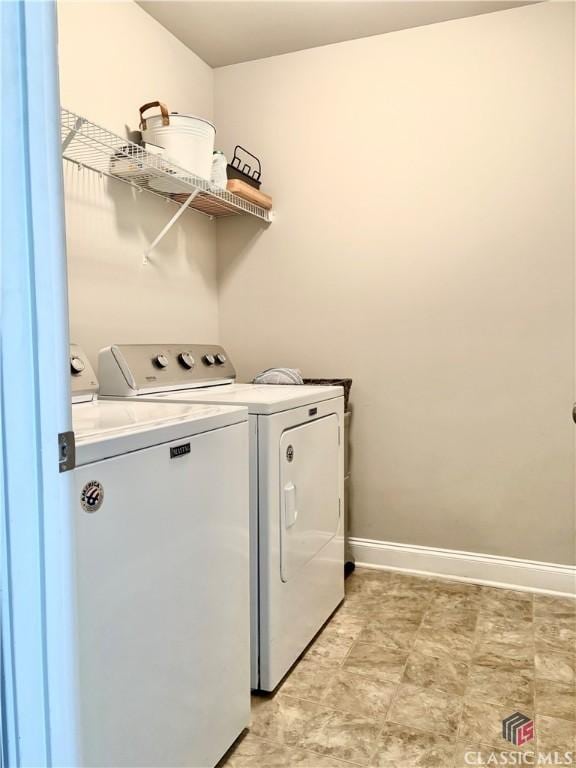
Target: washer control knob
186, 360
76, 364
220, 358
209, 359
161, 361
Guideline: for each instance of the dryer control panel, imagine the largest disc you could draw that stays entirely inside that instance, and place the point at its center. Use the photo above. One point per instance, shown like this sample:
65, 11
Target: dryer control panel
129, 369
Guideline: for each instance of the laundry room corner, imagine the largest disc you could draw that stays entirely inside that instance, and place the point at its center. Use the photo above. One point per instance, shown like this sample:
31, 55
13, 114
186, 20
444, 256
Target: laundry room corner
406, 169
287, 383
113, 58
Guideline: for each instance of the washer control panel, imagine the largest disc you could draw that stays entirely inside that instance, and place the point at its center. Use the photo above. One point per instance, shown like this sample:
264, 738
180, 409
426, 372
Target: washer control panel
130, 368
83, 381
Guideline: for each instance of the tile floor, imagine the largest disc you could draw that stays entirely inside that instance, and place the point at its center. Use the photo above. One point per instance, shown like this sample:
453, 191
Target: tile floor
414, 672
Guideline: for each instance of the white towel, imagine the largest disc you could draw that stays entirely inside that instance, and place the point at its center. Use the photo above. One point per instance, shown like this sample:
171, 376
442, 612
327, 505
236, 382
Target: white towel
279, 376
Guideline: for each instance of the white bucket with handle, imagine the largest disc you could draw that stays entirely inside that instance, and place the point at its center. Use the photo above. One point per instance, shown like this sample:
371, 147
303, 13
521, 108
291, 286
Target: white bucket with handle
187, 140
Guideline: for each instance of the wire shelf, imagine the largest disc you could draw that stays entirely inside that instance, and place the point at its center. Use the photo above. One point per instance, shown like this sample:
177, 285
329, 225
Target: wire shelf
90, 146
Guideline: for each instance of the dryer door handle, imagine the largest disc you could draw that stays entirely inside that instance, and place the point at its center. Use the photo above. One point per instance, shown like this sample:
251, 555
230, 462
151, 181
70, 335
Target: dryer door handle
290, 508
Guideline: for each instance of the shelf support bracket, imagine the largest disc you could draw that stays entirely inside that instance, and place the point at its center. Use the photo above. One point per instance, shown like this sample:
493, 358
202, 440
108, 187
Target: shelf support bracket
72, 132
169, 225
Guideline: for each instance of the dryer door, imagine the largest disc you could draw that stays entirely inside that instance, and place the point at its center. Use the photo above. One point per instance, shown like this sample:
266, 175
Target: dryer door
309, 505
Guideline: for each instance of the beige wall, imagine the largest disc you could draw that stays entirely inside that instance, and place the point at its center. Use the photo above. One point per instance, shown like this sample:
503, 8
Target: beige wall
423, 246
113, 58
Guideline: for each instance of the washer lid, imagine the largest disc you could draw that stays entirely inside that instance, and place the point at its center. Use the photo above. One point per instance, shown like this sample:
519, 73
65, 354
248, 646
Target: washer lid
263, 399
103, 429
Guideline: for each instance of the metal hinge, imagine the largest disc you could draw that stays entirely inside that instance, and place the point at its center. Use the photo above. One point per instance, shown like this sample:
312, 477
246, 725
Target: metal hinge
66, 451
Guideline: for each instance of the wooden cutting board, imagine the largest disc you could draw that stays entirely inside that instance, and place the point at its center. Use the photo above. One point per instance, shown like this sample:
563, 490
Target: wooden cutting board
253, 195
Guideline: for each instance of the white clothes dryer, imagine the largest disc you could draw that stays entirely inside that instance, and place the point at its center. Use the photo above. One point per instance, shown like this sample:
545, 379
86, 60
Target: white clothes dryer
296, 487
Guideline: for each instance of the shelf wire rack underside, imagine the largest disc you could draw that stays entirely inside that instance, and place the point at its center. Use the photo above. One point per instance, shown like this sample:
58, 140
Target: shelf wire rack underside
90, 146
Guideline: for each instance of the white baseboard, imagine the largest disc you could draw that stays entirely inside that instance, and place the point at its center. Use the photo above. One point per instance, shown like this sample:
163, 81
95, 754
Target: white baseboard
507, 572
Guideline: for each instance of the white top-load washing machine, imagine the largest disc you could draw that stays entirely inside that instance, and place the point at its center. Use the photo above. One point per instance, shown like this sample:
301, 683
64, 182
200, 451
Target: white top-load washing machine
296, 487
162, 560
